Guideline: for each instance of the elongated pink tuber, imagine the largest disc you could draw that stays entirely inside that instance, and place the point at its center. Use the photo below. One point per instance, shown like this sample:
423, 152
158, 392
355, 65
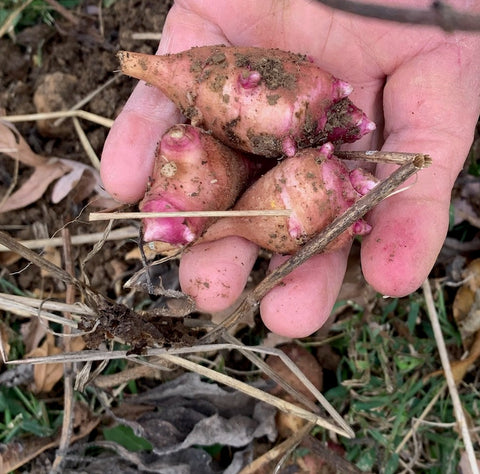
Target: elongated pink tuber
265, 101
314, 185
193, 171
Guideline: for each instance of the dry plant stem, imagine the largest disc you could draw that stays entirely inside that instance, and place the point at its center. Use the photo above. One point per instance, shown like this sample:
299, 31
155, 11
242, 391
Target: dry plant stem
103, 216
319, 243
36, 259
375, 156
439, 14
452, 388
50, 267
254, 392
83, 114
420, 419
68, 400
89, 97
146, 36
35, 303
249, 354
266, 369
104, 356
274, 453
128, 232
86, 144
25, 310
126, 375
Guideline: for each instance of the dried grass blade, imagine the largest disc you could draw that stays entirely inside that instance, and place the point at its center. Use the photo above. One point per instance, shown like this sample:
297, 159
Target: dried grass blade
83, 114
127, 232
102, 216
254, 392
86, 144
452, 388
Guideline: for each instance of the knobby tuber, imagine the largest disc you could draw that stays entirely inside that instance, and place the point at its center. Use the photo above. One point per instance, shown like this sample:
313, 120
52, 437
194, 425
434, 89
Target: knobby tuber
315, 185
192, 172
264, 101
267, 102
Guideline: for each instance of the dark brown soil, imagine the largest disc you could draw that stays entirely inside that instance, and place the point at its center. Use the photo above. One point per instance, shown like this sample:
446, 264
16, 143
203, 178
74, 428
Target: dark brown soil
51, 68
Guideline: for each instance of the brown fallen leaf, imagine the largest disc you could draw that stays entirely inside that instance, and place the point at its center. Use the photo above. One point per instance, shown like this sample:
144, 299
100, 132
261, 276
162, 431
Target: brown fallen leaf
308, 364
70, 175
460, 367
5, 336
13, 144
466, 306
35, 186
33, 331
47, 375
52, 254
465, 466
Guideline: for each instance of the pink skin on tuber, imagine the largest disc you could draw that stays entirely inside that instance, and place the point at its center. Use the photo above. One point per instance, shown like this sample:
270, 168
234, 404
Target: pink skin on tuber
192, 172
314, 185
264, 101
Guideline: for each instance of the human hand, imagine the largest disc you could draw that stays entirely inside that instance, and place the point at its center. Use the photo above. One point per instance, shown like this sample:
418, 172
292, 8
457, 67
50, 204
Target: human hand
418, 84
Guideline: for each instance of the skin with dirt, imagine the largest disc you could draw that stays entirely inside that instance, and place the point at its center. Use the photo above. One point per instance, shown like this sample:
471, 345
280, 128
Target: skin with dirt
267, 102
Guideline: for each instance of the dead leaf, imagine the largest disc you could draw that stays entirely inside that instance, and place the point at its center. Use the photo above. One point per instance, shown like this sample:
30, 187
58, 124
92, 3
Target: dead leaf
35, 186
13, 144
190, 413
466, 306
4, 334
465, 466
308, 365
46, 375
32, 333
70, 175
460, 367
83, 178
52, 254
274, 340
466, 201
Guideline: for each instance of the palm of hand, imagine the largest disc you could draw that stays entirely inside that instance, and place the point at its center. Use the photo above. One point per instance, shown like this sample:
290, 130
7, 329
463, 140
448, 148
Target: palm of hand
414, 83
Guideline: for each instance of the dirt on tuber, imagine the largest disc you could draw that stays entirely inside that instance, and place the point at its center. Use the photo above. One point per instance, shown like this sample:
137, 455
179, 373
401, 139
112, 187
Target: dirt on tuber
192, 172
264, 101
315, 185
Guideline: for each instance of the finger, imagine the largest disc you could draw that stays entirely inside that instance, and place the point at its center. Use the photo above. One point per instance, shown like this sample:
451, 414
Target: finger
302, 303
429, 108
214, 274
129, 150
